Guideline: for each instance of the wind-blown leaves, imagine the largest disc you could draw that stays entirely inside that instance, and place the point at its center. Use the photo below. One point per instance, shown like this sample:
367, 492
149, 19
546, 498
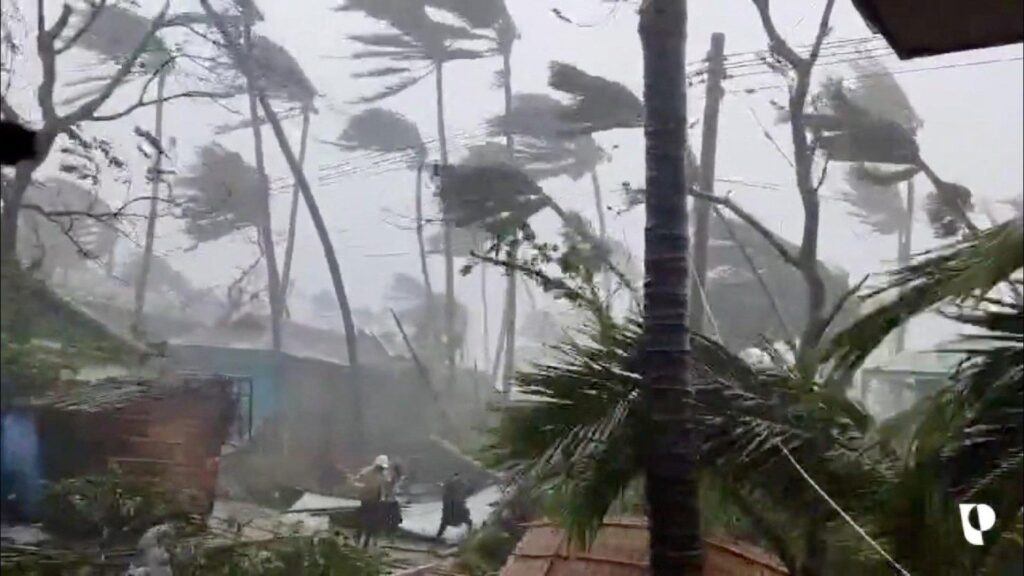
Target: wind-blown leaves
382, 130
280, 73
117, 31
962, 272
880, 207
545, 144
227, 194
598, 103
415, 37
498, 198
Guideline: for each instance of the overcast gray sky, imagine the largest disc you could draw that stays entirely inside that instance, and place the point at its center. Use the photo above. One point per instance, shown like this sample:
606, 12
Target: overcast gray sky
972, 132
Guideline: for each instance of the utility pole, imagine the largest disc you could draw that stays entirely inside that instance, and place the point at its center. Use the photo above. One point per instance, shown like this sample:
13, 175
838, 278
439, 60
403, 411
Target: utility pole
702, 208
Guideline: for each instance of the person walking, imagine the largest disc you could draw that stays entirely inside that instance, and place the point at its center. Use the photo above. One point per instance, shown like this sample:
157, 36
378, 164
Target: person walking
454, 511
372, 483
391, 508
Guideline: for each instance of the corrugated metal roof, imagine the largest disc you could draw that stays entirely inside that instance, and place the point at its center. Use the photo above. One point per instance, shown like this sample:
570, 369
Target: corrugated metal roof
113, 393
621, 549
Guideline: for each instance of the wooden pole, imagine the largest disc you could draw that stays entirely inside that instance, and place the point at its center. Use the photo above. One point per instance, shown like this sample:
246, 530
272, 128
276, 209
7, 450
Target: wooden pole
708, 148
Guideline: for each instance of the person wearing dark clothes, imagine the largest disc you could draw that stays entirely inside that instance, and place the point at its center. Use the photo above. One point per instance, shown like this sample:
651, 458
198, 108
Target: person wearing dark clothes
454, 511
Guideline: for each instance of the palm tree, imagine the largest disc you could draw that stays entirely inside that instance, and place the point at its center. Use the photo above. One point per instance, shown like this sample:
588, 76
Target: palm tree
901, 480
417, 38
546, 148
389, 132
281, 77
670, 448
115, 33
873, 122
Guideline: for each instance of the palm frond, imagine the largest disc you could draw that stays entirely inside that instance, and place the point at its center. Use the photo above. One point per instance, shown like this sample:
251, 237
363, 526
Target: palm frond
392, 40
227, 194
963, 271
392, 89
117, 31
598, 103
498, 198
476, 13
382, 130
880, 207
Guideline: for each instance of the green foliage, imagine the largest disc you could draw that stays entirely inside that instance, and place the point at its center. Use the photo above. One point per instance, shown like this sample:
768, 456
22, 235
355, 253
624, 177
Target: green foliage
497, 198
486, 550
41, 334
573, 445
108, 505
282, 556
964, 272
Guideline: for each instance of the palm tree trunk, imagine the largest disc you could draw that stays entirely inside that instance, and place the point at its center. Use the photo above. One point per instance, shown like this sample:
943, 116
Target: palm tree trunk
293, 214
351, 338
671, 470
265, 227
602, 229
510, 313
142, 280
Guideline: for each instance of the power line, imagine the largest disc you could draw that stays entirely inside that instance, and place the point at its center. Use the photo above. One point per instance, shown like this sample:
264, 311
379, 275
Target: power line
893, 72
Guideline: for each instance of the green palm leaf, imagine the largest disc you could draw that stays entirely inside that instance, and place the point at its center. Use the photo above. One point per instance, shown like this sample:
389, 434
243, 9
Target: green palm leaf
964, 271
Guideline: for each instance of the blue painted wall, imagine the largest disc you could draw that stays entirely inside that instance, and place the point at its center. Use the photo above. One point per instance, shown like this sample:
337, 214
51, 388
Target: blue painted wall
21, 470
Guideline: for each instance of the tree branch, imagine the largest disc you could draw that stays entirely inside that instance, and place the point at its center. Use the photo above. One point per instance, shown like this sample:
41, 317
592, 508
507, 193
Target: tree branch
754, 223
777, 43
87, 110
97, 8
144, 103
48, 63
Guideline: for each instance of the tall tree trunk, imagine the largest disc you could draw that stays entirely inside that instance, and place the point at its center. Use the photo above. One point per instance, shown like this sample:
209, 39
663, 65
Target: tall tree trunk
142, 279
293, 214
265, 227
511, 305
602, 229
450, 346
351, 338
671, 470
